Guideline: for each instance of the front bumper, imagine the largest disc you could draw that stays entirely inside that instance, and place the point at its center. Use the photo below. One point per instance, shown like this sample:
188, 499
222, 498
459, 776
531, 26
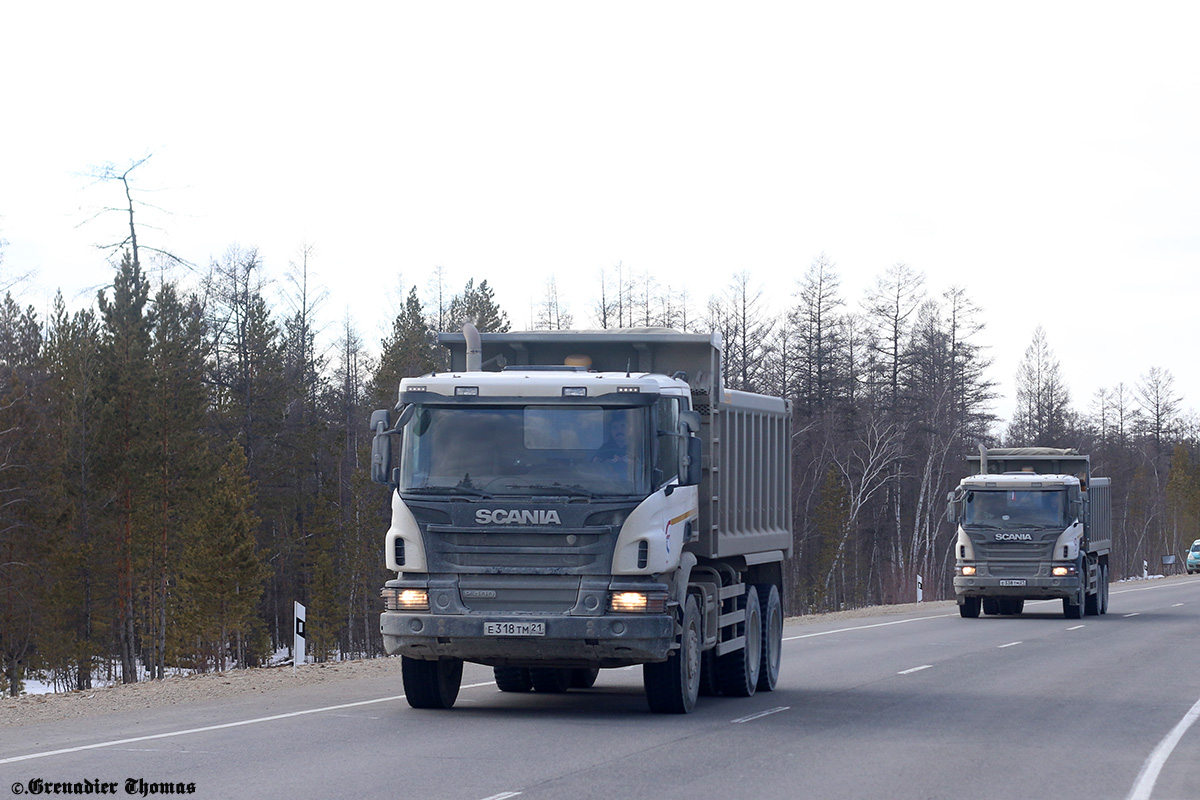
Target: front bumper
1031, 588
613, 640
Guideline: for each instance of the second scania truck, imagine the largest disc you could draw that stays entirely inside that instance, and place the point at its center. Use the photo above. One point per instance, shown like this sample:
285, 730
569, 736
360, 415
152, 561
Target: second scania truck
1033, 524
568, 501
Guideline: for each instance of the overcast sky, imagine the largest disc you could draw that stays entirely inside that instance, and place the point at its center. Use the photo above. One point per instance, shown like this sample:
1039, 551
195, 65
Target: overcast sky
1044, 156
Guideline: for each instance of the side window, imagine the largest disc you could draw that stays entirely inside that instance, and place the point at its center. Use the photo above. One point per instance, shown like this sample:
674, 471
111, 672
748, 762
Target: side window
670, 441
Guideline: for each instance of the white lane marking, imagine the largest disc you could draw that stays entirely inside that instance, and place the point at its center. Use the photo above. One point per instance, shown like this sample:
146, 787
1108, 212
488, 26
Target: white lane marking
1176, 605
222, 726
914, 669
1010, 644
1134, 614
1076, 627
1144, 784
760, 715
502, 796
865, 627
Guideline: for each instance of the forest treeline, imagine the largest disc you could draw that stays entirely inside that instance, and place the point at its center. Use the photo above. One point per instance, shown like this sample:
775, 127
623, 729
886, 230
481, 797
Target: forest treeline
178, 465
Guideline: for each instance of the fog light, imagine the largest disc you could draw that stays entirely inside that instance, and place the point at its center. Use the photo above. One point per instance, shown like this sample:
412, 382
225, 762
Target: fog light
396, 599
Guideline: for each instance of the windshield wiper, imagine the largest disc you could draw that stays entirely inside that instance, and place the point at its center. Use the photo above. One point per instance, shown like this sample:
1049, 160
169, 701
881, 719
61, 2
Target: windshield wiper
467, 490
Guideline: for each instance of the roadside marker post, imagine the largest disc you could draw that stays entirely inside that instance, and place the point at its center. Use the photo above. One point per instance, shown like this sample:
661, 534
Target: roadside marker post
298, 638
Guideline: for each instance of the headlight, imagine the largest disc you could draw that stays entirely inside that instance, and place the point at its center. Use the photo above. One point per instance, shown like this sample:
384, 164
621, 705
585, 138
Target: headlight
968, 570
1060, 572
405, 599
637, 602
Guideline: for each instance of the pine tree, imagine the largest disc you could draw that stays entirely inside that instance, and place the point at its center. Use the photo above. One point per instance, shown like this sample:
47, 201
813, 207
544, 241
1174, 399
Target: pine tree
180, 460
408, 351
126, 388
478, 305
80, 571
1043, 415
31, 506
221, 578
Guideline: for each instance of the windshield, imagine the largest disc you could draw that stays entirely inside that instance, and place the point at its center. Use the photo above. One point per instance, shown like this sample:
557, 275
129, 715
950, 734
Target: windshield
1023, 508
487, 451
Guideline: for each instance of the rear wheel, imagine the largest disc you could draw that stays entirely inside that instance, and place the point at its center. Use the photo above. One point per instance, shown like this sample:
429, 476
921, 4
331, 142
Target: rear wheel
969, 608
513, 679
552, 680
1104, 588
738, 670
431, 684
772, 636
584, 677
673, 685
1009, 606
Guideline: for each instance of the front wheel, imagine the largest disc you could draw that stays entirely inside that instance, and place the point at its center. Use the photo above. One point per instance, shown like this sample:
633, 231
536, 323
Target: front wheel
431, 684
970, 607
672, 686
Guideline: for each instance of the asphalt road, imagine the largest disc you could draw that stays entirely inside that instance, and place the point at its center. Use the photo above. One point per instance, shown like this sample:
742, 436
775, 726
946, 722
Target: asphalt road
923, 705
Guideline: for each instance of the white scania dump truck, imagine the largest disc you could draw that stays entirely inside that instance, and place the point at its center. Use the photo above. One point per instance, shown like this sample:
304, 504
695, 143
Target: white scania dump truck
1033, 524
568, 501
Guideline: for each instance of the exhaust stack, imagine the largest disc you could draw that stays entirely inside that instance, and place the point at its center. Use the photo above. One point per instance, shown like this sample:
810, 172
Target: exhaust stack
474, 347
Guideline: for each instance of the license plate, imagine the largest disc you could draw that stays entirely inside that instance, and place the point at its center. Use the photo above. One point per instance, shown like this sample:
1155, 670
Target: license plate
514, 628
1013, 582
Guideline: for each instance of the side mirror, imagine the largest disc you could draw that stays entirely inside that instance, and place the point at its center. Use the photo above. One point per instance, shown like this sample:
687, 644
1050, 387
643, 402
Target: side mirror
690, 471
381, 447
951, 509
691, 419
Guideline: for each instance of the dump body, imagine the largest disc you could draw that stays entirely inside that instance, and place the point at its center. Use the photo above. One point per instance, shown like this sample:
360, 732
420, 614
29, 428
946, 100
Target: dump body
1032, 524
576, 498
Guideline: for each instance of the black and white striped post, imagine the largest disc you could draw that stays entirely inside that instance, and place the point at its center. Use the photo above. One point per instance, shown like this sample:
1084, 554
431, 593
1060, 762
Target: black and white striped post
298, 638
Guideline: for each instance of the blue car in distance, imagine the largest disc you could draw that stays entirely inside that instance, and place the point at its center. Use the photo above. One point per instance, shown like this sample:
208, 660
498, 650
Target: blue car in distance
1193, 558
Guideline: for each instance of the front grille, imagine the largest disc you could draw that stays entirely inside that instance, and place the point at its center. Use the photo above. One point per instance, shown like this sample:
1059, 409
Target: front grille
1019, 570
532, 593
522, 551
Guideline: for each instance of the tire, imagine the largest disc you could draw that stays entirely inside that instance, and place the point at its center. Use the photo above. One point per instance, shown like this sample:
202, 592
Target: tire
513, 679
431, 684
710, 685
969, 608
991, 606
772, 636
672, 686
1009, 606
584, 677
738, 671
550, 680
1104, 588
1072, 610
